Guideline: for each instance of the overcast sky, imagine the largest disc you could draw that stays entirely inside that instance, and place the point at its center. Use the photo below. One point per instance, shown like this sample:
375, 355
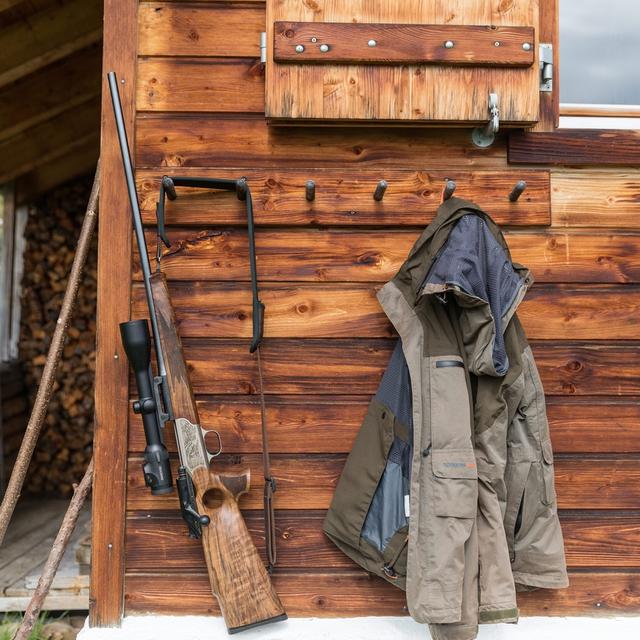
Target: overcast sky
600, 51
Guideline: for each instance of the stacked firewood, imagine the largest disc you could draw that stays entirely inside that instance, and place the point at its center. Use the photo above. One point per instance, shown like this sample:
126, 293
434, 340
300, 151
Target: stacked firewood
64, 449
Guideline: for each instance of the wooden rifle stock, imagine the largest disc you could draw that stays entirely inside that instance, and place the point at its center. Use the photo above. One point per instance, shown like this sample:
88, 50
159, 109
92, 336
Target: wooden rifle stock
239, 579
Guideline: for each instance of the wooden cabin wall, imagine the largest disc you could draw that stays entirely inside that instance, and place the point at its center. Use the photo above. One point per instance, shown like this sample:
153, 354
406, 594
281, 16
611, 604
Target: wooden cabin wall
199, 111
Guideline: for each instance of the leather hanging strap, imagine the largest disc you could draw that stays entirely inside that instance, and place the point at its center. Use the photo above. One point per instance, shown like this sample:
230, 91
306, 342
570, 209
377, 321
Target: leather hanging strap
269, 480
241, 188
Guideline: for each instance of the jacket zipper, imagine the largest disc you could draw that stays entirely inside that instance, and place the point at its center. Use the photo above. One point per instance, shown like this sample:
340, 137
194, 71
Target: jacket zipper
388, 568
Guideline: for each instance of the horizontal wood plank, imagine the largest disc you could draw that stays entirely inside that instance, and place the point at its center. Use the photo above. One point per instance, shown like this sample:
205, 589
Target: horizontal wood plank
346, 198
356, 366
596, 199
348, 42
375, 256
200, 29
248, 141
203, 85
591, 540
586, 147
308, 482
343, 593
321, 424
223, 310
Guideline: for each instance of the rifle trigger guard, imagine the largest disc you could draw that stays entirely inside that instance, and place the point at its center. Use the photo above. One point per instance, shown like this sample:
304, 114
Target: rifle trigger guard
211, 456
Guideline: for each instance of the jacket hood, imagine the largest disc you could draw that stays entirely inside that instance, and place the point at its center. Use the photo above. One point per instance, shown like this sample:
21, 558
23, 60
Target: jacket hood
464, 254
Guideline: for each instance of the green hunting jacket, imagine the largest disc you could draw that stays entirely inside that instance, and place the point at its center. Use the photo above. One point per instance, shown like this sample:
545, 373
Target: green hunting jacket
448, 491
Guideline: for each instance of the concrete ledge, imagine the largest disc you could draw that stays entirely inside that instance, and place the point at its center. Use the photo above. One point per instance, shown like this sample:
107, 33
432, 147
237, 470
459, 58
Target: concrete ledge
205, 628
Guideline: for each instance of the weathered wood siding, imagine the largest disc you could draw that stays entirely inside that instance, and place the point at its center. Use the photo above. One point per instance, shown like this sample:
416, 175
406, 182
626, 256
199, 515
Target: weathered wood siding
199, 98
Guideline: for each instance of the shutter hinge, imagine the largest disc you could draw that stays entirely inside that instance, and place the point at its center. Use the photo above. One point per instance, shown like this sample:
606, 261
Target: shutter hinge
546, 67
263, 46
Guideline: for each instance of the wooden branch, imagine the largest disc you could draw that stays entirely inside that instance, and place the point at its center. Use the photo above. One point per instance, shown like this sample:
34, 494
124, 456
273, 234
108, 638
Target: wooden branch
45, 388
60, 544
360, 43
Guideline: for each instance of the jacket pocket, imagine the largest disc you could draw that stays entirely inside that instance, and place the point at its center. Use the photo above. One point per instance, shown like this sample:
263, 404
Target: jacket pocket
455, 483
449, 404
549, 493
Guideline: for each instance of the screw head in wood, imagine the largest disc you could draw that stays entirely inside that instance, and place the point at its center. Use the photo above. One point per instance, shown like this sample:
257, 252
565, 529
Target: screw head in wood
448, 44
299, 48
372, 43
496, 43
324, 48
314, 39
526, 46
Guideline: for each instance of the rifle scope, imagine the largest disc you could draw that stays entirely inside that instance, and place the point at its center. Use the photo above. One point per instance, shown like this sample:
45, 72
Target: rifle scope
137, 345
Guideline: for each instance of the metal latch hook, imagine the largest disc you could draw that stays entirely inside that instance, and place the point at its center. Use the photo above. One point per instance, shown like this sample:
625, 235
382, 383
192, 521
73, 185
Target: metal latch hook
485, 136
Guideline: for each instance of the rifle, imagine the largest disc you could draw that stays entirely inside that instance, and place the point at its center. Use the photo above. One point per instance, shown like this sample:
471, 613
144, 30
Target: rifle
208, 500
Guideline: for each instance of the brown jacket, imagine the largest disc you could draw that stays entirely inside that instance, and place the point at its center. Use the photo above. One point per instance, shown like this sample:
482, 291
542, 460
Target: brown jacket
449, 489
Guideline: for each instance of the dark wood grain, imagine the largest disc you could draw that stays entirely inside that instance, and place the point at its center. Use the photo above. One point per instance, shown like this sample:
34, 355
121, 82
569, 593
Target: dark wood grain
586, 147
345, 198
160, 540
70, 81
402, 44
49, 140
319, 424
349, 593
308, 482
112, 369
247, 141
223, 310
375, 256
224, 366
179, 388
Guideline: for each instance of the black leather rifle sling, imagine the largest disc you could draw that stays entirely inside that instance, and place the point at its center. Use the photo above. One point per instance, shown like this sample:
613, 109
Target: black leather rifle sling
241, 188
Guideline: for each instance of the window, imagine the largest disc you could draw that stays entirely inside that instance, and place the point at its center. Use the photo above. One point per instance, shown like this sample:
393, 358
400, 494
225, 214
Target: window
599, 70
12, 223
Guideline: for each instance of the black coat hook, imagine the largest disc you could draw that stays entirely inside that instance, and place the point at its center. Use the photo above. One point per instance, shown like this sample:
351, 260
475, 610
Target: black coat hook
378, 194
310, 190
517, 191
449, 188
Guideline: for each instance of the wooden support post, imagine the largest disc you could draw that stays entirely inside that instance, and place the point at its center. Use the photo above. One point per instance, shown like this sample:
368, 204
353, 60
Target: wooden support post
114, 290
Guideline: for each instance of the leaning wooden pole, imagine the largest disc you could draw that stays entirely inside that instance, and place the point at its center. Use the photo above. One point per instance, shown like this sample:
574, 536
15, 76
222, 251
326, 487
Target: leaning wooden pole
45, 388
80, 493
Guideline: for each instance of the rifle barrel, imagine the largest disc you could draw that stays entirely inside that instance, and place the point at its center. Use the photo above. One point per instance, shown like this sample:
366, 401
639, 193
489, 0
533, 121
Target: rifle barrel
137, 218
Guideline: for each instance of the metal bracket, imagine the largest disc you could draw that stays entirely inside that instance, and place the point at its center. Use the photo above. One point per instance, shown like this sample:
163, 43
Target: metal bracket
263, 46
484, 136
546, 67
